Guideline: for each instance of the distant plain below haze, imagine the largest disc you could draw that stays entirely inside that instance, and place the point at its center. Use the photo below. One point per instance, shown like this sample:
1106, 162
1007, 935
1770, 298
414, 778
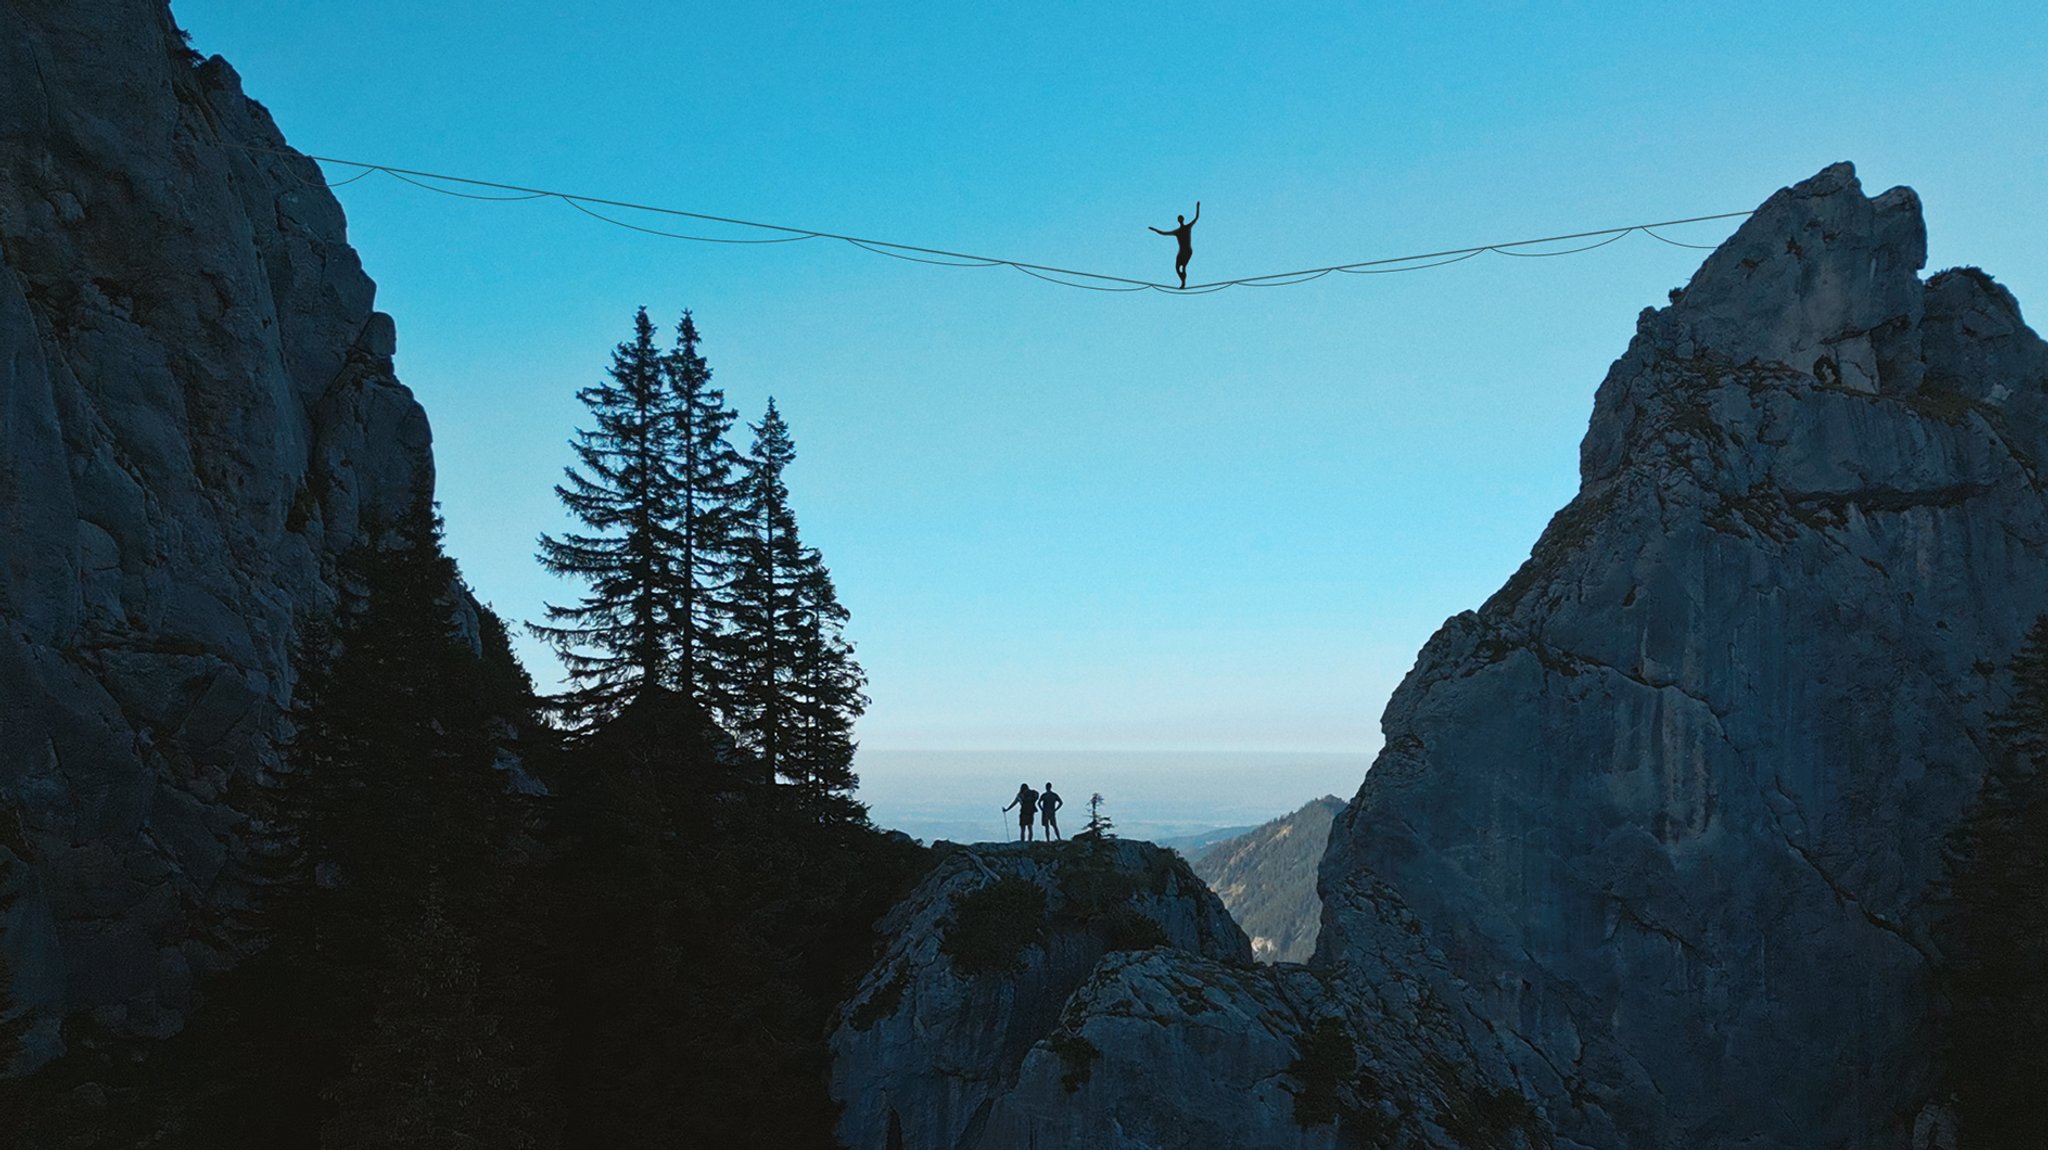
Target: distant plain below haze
1156, 795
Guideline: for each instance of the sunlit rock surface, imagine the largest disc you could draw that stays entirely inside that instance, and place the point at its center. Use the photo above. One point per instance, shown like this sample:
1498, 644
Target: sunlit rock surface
197, 414
1671, 803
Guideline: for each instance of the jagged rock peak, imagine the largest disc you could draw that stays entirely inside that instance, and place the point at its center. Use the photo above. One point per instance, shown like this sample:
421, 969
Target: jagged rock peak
1671, 803
1818, 265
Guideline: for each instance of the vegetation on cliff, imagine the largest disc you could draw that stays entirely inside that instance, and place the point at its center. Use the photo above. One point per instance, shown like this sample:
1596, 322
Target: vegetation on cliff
479, 928
1267, 877
1993, 940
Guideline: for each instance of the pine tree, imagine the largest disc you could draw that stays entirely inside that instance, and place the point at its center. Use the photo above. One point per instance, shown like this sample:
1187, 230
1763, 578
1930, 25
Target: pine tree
702, 526
406, 871
1994, 937
769, 560
799, 688
14, 1018
614, 642
1099, 824
2022, 727
828, 691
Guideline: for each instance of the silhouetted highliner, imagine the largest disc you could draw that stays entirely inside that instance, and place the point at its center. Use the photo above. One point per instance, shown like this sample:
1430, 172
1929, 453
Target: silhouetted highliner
1049, 805
1185, 234
1026, 803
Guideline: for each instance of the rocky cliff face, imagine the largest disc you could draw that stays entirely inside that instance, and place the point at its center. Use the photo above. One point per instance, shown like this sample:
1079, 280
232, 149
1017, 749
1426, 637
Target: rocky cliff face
979, 962
1078, 995
1266, 877
1672, 801
1647, 859
197, 414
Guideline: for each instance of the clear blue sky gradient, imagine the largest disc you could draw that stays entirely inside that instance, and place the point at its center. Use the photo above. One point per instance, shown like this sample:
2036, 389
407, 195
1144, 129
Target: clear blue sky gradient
1066, 520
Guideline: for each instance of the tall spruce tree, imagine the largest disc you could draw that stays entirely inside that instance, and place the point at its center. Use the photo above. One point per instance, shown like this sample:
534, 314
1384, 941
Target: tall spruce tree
828, 688
1993, 938
407, 833
800, 689
770, 562
702, 527
14, 1017
615, 642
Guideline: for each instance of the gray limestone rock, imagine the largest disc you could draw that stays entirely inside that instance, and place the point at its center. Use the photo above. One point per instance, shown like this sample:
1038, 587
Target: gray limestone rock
978, 964
1671, 804
1163, 1049
197, 415
1098, 1035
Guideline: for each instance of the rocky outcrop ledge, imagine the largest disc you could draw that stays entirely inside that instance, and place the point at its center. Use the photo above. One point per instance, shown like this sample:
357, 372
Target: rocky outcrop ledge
1097, 994
978, 964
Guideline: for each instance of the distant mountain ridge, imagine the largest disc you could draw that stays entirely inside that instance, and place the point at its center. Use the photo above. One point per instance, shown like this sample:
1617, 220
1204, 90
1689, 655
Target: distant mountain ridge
1200, 841
1267, 879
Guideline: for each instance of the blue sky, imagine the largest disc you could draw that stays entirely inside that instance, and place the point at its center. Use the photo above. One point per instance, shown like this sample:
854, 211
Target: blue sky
1065, 520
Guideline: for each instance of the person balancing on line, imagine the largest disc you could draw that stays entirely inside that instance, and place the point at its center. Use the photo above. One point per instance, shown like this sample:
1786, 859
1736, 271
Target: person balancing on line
1026, 803
1184, 233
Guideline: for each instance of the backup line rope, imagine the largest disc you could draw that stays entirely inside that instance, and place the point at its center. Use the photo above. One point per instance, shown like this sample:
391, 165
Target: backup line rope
1064, 277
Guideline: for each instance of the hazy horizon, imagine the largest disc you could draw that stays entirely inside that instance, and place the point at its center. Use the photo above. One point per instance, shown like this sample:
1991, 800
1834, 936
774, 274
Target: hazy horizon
959, 794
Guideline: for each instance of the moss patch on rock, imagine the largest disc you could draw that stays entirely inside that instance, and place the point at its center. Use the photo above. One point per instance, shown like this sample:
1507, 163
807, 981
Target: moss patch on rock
989, 927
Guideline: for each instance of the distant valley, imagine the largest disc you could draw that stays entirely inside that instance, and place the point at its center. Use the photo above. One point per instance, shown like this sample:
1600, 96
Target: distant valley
1267, 879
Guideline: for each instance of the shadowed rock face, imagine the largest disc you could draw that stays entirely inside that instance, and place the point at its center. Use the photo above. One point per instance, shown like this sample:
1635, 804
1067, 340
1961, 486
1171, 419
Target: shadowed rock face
1174, 1040
197, 414
978, 963
1671, 802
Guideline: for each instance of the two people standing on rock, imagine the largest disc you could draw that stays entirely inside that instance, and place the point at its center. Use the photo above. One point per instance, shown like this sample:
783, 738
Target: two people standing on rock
1046, 805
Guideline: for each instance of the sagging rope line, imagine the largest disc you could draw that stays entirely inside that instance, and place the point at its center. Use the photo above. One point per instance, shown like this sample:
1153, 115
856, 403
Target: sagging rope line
654, 231
1567, 251
1363, 271
1044, 272
1645, 229
407, 177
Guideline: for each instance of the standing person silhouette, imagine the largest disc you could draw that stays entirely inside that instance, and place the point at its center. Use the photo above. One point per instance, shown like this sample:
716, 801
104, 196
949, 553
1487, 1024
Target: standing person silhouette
1049, 805
1026, 803
1185, 234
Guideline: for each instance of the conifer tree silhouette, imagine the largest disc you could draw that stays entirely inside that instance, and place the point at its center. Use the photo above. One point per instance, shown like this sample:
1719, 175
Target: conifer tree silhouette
1993, 933
829, 689
769, 561
704, 526
797, 684
615, 641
